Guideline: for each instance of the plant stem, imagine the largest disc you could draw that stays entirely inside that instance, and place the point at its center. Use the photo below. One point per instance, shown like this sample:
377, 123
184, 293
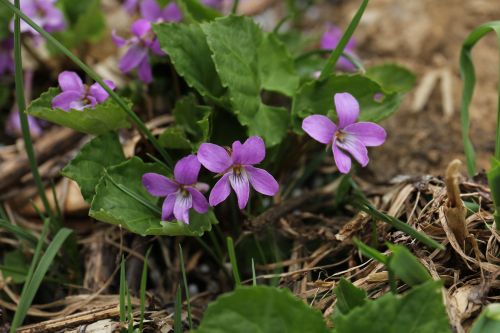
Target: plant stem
138, 122
21, 104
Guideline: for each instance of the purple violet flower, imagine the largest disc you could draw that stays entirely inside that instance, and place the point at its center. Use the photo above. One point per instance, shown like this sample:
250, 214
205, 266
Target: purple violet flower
330, 40
6, 59
137, 56
349, 136
236, 168
182, 193
151, 11
131, 6
216, 4
76, 95
42, 12
13, 125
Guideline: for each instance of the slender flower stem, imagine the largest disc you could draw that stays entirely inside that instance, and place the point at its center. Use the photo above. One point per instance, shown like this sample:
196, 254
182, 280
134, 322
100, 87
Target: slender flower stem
235, 6
138, 122
21, 104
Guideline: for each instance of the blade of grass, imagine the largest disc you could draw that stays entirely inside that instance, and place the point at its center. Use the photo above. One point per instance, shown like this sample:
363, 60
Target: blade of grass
23, 118
18, 231
468, 75
234, 263
144, 280
337, 52
370, 252
254, 277
137, 121
33, 283
123, 290
186, 287
178, 311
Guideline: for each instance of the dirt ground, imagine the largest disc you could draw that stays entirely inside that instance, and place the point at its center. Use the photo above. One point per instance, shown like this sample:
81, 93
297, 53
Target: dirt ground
426, 36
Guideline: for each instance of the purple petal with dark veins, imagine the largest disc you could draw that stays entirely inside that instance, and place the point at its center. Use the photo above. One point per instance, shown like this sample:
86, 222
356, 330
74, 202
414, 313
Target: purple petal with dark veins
355, 147
342, 160
181, 207
241, 187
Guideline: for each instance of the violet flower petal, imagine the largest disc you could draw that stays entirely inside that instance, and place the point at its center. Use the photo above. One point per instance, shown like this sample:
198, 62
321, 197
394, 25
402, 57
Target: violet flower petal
187, 169
171, 13
156, 48
117, 39
158, 185
347, 108
200, 203
241, 187
167, 209
130, 5
141, 27
182, 206
262, 181
144, 71
132, 58
54, 20
150, 10
220, 191
99, 93
342, 160
70, 81
67, 100
253, 151
355, 147
320, 128
202, 187
214, 158
370, 134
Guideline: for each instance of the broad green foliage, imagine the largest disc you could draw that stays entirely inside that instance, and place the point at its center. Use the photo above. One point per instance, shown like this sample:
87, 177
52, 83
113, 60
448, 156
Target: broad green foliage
85, 21
488, 321
174, 137
122, 199
261, 309
195, 11
316, 97
103, 118
193, 118
187, 48
349, 297
421, 310
89, 164
15, 266
392, 78
406, 266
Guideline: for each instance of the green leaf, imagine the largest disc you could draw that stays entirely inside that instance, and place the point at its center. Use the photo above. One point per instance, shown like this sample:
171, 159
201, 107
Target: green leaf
276, 66
469, 77
421, 310
187, 48
488, 321
316, 97
370, 252
195, 11
349, 297
16, 266
193, 118
122, 199
235, 43
174, 138
89, 164
261, 309
103, 118
392, 77
404, 264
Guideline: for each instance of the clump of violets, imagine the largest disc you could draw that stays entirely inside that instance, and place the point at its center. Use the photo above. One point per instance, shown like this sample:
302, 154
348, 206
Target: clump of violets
78, 96
348, 138
42, 12
13, 125
330, 40
137, 56
6, 59
181, 193
235, 165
